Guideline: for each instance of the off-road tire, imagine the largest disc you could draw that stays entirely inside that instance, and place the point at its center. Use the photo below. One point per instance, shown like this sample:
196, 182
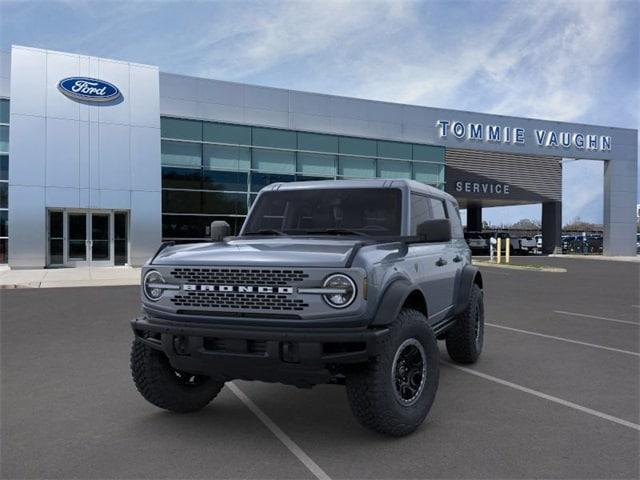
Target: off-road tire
372, 391
464, 342
160, 384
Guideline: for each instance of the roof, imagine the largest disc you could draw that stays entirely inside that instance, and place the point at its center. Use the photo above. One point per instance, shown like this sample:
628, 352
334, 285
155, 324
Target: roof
404, 184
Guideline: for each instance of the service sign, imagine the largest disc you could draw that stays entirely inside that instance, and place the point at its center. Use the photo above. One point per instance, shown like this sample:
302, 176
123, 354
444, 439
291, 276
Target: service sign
88, 89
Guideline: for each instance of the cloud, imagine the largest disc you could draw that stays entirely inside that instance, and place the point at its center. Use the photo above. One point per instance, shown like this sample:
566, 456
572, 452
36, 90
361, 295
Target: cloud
570, 60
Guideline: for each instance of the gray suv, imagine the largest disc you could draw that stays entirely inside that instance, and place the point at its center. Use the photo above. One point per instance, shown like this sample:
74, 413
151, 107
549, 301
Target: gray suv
349, 282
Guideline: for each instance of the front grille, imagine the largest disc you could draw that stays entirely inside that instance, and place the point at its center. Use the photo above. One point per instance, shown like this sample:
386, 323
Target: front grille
245, 301
237, 276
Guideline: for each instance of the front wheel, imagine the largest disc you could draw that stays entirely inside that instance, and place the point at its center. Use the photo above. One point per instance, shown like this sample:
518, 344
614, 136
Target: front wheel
394, 392
165, 387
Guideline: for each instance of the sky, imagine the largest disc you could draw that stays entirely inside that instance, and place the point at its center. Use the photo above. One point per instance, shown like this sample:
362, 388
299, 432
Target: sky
558, 60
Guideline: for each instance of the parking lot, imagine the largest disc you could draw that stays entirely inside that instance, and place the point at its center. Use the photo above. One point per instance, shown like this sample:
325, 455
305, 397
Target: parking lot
554, 395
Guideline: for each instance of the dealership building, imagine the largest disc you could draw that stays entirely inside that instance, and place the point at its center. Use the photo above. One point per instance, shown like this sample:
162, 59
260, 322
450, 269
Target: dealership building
101, 160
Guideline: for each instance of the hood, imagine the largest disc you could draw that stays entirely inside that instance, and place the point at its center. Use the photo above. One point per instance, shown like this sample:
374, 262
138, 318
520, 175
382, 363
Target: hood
281, 252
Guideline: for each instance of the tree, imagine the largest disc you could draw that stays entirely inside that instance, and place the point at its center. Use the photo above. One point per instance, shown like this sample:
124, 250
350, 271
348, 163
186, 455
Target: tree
579, 225
526, 224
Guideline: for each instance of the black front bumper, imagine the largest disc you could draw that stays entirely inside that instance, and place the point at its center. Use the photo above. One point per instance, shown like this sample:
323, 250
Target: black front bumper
297, 356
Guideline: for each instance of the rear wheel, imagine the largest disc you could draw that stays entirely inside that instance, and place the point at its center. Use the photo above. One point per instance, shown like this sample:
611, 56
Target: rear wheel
465, 338
394, 392
165, 387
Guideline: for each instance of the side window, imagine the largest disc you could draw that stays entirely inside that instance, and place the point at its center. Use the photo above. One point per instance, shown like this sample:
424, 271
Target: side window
420, 211
456, 223
437, 208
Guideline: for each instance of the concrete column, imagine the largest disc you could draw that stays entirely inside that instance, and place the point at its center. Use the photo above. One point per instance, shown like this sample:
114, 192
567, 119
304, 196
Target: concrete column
474, 218
552, 227
620, 198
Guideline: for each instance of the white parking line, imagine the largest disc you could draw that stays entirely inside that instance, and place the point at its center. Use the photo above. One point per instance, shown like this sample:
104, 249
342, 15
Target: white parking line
596, 317
562, 339
551, 398
280, 435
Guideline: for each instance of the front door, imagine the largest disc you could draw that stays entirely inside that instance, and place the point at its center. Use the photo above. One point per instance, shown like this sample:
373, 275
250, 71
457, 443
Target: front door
90, 238
100, 241
77, 240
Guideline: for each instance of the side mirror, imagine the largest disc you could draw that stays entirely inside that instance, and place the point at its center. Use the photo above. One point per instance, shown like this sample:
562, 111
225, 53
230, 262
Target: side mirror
219, 230
435, 230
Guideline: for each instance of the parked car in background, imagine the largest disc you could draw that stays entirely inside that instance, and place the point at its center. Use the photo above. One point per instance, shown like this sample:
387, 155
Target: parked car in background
582, 244
478, 243
528, 244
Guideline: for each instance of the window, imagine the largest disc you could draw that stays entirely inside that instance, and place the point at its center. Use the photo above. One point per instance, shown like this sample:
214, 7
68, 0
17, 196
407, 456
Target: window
226, 157
224, 203
428, 153
224, 133
217, 180
190, 178
195, 227
317, 143
429, 173
120, 242
177, 201
276, 161
184, 226
181, 154
215, 169
261, 180
358, 146
437, 208
394, 169
4, 139
357, 167
420, 211
4, 222
370, 211
394, 150
456, 222
4, 111
316, 164
4, 167
271, 137
4, 193
182, 129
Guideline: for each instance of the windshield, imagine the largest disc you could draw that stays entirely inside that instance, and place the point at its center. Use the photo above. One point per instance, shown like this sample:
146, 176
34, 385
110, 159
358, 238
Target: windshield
358, 211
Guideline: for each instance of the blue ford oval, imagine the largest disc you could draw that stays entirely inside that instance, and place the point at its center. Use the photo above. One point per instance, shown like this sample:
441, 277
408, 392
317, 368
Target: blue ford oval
89, 89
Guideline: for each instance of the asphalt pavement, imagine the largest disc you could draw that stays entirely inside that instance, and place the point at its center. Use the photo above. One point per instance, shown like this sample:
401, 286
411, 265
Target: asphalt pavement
556, 394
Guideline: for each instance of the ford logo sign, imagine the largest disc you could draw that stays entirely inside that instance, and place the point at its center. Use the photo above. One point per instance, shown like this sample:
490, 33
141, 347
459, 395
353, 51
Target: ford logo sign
89, 89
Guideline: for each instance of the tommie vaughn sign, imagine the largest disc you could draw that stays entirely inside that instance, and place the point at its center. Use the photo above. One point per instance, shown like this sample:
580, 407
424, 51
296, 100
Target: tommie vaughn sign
88, 89
478, 132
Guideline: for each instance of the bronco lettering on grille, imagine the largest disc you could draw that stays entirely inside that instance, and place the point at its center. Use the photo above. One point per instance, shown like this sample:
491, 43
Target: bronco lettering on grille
237, 289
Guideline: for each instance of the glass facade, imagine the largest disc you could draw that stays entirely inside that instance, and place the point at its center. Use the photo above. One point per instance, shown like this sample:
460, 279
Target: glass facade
4, 180
212, 171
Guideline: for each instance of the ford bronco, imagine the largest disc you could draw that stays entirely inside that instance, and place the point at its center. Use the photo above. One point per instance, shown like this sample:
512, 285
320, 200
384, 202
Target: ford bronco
349, 282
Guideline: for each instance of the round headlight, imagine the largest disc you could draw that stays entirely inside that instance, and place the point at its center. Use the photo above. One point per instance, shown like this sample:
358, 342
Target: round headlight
344, 290
151, 285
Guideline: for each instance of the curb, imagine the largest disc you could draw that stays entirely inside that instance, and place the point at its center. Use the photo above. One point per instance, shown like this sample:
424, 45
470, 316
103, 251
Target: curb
521, 267
71, 284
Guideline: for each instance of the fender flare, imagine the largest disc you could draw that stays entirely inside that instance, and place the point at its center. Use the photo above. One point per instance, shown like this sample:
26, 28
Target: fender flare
467, 279
392, 300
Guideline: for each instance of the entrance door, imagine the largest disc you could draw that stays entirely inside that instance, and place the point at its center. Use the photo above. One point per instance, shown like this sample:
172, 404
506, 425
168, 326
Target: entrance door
87, 238
100, 241
77, 240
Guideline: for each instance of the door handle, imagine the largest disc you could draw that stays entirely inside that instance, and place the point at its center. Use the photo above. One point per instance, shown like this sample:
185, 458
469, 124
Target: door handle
457, 258
441, 262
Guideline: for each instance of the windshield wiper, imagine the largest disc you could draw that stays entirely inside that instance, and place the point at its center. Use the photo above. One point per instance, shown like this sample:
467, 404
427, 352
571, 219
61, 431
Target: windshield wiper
337, 231
267, 231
